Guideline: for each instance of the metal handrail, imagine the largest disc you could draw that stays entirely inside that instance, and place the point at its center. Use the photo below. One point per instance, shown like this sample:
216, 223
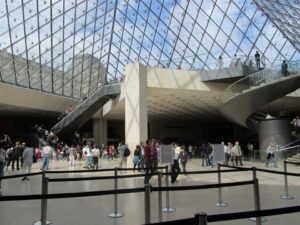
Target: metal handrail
264, 76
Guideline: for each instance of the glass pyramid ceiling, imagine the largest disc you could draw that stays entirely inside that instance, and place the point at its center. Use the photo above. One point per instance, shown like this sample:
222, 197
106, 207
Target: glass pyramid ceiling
70, 47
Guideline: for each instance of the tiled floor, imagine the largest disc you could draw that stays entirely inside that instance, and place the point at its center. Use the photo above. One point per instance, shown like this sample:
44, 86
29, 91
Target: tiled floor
95, 210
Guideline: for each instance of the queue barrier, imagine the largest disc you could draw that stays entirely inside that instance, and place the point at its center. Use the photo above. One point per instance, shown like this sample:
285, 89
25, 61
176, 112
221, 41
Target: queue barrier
147, 189
284, 173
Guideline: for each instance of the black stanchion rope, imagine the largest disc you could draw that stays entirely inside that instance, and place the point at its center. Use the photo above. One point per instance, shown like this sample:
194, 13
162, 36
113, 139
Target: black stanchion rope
205, 186
70, 195
20, 175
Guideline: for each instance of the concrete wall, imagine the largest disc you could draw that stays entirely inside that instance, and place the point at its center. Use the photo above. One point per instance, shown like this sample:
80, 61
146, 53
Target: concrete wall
29, 99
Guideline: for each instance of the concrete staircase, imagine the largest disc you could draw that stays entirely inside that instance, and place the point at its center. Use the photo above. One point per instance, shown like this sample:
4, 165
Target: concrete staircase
294, 158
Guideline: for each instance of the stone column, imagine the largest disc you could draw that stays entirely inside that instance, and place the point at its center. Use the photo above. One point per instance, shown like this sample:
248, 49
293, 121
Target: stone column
135, 91
277, 131
100, 131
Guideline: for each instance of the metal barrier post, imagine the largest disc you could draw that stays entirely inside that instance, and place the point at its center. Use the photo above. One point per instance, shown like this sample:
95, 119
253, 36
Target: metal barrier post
286, 196
147, 204
258, 220
254, 173
168, 208
220, 203
201, 218
115, 214
44, 220
159, 197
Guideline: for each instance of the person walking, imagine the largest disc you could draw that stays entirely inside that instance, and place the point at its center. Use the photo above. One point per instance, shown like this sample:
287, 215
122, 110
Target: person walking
27, 156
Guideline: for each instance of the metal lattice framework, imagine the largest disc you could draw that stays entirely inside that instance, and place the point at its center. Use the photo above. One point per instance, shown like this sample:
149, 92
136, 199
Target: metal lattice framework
71, 47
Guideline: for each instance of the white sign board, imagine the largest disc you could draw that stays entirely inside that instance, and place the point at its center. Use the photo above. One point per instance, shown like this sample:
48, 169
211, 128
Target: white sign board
218, 153
166, 154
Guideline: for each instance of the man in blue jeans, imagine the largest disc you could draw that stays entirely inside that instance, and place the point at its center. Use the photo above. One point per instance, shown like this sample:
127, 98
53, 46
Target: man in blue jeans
46, 156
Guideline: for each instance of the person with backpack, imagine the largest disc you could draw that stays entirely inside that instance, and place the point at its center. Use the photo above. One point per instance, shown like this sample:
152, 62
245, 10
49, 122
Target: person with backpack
2, 164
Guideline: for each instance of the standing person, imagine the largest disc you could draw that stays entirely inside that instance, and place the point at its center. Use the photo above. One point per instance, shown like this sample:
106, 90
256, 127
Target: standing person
14, 155
183, 156
271, 155
284, 68
257, 59
209, 155
123, 159
65, 151
175, 167
72, 153
237, 151
203, 154
221, 62
79, 152
27, 156
89, 158
2, 163
46, 156
148, 162
228, 153
96, 154
136, 157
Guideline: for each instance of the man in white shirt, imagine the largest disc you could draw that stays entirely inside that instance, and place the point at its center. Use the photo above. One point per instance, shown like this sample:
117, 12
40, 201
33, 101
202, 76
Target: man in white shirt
46, 156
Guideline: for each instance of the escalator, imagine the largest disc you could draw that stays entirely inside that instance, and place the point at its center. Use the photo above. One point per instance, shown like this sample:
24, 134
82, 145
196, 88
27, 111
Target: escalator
86, 109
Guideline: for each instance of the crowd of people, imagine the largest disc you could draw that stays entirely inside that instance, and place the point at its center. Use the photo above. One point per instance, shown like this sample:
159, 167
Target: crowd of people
145, 157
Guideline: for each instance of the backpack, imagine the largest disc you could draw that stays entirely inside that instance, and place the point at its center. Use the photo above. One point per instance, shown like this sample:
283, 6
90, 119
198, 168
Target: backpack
184, 157
126, 152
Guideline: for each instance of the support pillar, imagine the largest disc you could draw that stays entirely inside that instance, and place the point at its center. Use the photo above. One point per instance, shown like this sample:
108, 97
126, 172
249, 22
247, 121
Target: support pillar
277, 131
100, 131
136, 117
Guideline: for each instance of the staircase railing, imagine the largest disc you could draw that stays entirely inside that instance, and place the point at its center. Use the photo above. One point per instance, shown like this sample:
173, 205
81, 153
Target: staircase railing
261, 77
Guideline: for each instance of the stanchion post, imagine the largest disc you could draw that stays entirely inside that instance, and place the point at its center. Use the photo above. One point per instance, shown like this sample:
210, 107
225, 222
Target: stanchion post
201, 218
286, 188
115, 214
258, 220
44, 202
220, 203
159, 197
254, 173
147, 204
168, 208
